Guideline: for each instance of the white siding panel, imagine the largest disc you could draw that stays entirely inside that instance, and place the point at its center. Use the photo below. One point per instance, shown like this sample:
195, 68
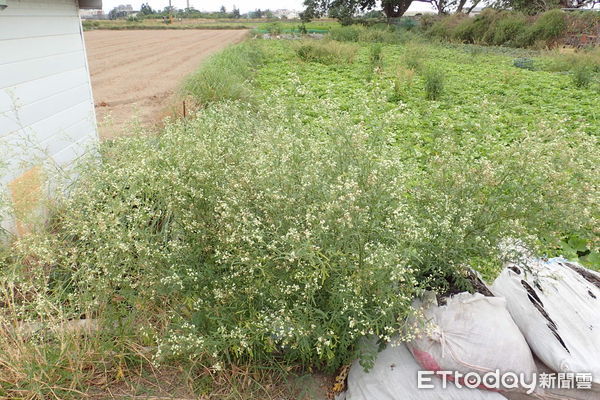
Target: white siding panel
33, 142
46, 106
18, 49
40, 110
13, 27
74, 152
20, 72
76, 134
40, 8
29, 92
42, 5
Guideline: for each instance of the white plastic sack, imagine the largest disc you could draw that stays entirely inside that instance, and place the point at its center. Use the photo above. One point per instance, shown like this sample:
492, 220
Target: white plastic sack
394, 377
556, 304
473, 333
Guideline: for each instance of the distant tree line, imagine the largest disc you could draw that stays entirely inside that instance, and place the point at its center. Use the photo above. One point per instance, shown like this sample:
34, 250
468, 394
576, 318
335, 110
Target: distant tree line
146, 11
345, 10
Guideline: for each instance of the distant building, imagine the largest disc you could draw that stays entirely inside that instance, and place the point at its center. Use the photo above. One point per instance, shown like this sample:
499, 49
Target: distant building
92, 14
128, 8
286, 14
47, 118
122, 11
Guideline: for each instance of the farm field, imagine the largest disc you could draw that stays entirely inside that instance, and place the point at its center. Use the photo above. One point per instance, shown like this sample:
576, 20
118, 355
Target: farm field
136, 73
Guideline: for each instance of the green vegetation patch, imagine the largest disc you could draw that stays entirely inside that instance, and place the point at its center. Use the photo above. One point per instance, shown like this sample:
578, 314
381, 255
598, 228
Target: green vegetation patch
283, 229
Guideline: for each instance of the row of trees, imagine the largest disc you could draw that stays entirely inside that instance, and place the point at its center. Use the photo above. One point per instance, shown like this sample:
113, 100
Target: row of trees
344, 9
147, 11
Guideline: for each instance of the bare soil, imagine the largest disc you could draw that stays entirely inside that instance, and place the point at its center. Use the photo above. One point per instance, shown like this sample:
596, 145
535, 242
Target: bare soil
136, 74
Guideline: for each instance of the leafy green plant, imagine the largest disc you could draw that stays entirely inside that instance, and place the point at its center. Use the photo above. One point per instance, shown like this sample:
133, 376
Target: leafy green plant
434, 83
550, 26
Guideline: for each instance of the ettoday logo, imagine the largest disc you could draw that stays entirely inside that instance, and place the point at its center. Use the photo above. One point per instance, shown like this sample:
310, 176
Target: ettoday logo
503, 381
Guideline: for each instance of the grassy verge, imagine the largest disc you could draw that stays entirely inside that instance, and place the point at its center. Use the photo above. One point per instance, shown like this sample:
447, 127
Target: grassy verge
259, 239
227, 75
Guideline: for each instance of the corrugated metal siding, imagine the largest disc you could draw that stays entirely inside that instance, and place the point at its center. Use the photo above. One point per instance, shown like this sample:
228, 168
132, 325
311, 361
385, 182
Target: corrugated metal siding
46, 105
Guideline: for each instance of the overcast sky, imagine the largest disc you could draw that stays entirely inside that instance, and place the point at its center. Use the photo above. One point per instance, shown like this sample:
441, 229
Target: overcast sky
214, 5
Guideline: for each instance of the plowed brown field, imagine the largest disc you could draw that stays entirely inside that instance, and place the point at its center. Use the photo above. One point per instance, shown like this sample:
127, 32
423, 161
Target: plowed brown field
135, 74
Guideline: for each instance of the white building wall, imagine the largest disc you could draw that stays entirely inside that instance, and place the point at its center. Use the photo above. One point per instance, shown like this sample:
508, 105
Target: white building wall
47, 118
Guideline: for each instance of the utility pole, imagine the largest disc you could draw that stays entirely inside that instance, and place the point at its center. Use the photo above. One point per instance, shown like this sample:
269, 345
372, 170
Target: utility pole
188, 4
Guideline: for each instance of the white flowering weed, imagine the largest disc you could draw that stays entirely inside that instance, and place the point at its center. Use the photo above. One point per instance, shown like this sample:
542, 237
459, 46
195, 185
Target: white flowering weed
257, 236
283, 230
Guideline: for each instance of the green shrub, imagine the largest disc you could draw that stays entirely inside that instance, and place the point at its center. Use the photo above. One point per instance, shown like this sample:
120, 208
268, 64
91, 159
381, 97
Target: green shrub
465, 31
225, 75
551, 25
434, 83
479, 30
274, 28
326, 52
507, 30
444, 27
502, 28
427, 21
582, 76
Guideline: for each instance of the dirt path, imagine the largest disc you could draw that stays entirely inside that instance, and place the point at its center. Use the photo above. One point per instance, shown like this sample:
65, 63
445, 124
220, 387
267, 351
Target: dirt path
135, 74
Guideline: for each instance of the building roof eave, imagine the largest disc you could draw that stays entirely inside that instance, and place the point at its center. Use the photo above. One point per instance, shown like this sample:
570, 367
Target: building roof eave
90, 4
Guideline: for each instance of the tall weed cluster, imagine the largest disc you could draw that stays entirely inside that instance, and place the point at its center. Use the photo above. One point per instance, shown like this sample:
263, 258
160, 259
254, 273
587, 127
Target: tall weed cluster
326, 52
376, 56
434, 83
378, 34
245, 234
226, 75
502, 28
239, 235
